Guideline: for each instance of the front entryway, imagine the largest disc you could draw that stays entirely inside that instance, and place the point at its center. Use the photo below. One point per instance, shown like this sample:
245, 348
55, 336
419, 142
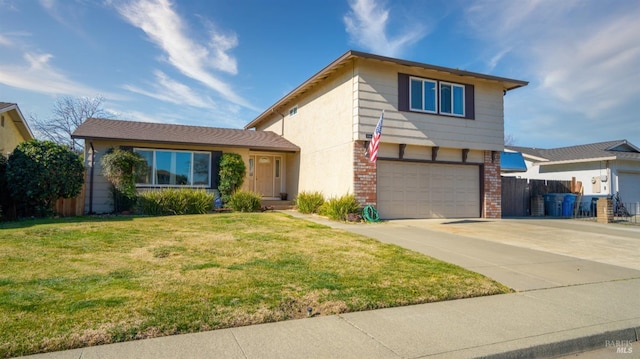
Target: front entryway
265, 174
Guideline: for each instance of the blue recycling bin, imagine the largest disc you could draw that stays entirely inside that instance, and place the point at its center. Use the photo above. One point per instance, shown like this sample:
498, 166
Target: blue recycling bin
553, 204
568, 204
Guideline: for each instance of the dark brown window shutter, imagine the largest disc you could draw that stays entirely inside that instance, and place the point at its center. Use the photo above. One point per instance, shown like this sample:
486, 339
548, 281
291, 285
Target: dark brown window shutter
469, 102
403, 92
215, 168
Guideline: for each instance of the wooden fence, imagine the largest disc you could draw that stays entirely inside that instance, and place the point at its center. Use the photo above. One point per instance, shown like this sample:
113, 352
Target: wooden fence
71, 207
518, 192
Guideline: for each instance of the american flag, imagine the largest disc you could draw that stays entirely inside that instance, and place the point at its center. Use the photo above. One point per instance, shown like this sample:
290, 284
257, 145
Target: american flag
373, 145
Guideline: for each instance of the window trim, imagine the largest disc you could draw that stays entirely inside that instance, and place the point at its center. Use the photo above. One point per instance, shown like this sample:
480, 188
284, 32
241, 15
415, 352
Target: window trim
404, 97
423, 81
453, 85
192, 168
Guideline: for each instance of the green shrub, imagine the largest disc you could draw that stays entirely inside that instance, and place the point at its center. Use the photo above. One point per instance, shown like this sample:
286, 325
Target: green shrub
175, 201
232, 172
338, 208
309, 202
245, 201
40, 172
123, 168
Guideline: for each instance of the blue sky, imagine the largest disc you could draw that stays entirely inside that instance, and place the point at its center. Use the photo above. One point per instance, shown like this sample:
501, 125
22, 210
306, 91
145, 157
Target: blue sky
220, 63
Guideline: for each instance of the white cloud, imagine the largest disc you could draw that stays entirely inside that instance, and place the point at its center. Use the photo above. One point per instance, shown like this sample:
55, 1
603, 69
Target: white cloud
4, 41
37, 75
165, 28
169, 90
582, 59
367, 25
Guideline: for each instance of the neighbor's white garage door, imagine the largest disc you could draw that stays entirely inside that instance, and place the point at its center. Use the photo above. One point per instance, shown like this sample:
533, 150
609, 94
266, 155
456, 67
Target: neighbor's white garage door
629, 187
427, 190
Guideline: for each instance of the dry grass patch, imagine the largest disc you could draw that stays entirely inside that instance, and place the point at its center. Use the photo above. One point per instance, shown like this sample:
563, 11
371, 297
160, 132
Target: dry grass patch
72, 283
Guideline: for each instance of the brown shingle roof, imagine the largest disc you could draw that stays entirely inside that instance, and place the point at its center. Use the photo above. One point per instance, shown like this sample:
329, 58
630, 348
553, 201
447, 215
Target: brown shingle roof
95, 128
619, 149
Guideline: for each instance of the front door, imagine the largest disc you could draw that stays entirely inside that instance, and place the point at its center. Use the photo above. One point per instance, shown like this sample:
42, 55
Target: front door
264, 178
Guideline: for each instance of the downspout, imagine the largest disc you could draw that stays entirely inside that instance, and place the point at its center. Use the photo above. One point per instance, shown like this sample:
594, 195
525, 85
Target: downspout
93, 165
282, 127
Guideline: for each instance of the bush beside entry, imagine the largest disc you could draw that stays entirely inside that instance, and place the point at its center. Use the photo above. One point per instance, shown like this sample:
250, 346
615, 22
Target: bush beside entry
232, 172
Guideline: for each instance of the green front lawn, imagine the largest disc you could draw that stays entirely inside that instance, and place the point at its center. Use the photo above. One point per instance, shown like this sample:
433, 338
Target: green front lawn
70, 283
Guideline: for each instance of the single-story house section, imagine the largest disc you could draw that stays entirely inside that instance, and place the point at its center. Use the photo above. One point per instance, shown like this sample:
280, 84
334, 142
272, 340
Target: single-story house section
13, 128
604, 168
185, 156
443, 131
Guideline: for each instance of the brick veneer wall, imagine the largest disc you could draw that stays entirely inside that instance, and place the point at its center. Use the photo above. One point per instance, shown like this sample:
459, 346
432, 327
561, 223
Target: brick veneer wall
492, 185
364, 176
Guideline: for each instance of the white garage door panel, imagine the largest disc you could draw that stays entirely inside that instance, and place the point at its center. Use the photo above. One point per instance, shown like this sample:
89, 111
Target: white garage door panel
427, 190
629, 184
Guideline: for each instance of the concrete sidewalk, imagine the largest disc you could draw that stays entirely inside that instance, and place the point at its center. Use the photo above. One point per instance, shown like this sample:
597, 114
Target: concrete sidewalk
563, 305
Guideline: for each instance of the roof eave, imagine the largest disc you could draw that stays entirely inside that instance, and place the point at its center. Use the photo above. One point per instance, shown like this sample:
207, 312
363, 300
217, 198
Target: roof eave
581, 160
510, 84
254, 148
21, 124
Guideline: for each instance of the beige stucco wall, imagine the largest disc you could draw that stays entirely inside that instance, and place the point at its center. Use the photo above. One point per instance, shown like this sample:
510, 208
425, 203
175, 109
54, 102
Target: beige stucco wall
102, 202
377, 85
322, 128
345, 107
10, 136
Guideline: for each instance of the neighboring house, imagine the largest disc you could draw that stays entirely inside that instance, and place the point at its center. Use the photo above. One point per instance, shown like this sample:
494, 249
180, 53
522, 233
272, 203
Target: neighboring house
604, 168
439, 154
13, 128
182, 156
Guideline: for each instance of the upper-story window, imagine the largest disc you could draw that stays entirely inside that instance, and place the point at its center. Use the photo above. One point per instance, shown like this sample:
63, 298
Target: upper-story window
423, 96
293, 111
431, 96
451, 99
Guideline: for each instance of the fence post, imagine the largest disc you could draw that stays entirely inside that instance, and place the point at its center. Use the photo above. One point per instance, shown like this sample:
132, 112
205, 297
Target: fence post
605, 210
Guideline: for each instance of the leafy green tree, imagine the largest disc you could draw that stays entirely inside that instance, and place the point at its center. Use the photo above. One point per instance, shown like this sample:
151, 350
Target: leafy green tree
232, 172
123, 168
40, 172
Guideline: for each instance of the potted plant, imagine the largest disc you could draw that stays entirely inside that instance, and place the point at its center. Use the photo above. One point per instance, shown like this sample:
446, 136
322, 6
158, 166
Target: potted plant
283, 196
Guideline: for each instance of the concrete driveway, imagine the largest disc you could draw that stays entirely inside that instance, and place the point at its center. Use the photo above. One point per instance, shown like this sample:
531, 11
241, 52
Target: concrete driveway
524, 254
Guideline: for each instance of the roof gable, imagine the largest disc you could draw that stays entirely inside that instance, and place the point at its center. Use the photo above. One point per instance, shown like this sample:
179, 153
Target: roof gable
18, 120
509, 84
117, 130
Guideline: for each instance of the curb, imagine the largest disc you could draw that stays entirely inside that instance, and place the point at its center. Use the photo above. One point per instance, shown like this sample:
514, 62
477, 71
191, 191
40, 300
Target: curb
571, 346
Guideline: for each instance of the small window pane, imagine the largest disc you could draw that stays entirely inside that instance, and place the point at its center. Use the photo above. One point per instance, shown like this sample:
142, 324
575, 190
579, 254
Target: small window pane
182, 168
148, 176
430, 96
445, 98
277, 168
201, 164
458, 100
163, 168
251, 165
416, 94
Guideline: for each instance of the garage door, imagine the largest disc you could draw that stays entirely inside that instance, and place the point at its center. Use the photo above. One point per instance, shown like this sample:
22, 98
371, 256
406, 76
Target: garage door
427, 190
629, 184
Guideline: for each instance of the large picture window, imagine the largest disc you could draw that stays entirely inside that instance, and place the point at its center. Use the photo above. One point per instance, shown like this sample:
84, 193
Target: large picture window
435, 97
176, 168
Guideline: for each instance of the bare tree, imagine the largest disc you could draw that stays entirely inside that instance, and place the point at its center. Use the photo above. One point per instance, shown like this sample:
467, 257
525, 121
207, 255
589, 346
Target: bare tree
67, 114
509, 139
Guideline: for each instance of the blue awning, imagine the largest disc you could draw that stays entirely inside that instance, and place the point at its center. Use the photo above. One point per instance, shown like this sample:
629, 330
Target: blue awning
512, 162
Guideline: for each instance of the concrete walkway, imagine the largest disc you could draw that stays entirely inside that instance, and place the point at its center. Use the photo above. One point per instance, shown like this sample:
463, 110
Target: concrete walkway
564, 304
